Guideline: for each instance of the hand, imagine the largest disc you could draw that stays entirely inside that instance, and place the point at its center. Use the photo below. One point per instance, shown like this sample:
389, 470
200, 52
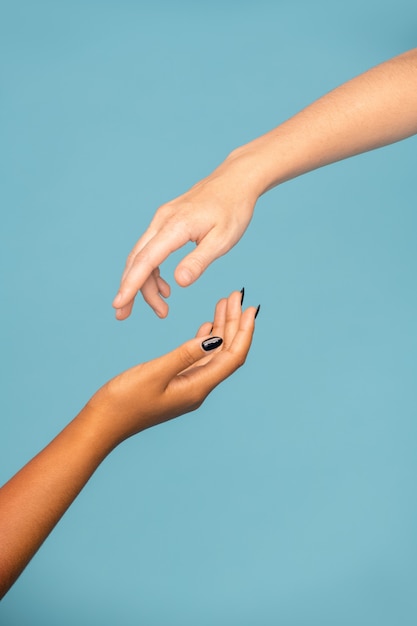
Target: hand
372, 110
179, 381
214, 214
34, 499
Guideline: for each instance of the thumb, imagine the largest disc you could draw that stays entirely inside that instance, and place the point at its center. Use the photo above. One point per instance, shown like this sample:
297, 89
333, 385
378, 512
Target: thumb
184, 356
195, 263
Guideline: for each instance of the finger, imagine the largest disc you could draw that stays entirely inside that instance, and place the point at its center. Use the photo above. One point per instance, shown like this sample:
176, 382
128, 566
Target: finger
196, 262
204, 329
163, 286
241, 343
147, 236
233, 314
216, 328
189, 353
219, 318
226, 361
146, 260
151, 295
202, 332
124, 312
139, 245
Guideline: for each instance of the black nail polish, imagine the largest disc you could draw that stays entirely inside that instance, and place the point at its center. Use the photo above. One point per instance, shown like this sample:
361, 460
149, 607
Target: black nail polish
242, 291
257, 311
211, 330
212, 343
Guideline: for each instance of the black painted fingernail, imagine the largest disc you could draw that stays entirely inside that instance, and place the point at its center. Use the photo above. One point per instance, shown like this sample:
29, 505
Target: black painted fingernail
211, 330
257, 311
212, 343
242, 291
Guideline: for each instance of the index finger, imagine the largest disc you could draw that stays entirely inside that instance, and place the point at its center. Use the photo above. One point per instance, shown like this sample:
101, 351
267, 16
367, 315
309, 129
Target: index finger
152, 254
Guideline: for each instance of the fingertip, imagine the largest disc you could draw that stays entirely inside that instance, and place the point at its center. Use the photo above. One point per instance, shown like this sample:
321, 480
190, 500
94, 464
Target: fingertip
247, 320
211, 343
205, 329
124, 300
161, 310
235, 299
221, 305
117, 300
184, 276
123, 312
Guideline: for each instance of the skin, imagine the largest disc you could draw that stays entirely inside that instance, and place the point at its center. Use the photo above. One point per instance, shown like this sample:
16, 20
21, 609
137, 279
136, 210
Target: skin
374, 109
34, 500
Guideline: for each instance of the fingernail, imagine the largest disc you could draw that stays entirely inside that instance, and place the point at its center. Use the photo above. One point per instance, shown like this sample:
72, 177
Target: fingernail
117, 300
242, 291
211, 330
212, 343
257, 311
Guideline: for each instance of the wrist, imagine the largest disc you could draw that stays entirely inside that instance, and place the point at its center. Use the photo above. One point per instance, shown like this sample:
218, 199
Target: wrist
295, 147
246, 166
261, 163
110, 418
99, 429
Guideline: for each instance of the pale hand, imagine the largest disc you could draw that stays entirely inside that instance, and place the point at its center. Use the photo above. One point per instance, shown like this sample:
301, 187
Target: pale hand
214, 214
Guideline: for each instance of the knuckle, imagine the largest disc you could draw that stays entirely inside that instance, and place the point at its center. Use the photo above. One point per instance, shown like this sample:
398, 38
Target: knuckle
187, 357
164, 214
178, 227
198, 263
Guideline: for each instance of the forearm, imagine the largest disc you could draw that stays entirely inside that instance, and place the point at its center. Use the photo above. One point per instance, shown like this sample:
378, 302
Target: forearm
374, 109
34, 500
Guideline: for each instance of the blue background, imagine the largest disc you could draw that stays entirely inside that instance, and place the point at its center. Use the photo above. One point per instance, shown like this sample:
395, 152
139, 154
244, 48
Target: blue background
289, 498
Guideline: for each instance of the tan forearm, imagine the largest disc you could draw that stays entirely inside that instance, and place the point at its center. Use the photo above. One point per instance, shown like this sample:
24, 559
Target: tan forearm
34, 500
374, 109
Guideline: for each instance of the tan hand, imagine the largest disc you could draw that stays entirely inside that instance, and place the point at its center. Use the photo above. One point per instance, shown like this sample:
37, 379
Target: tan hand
34, 499
179, 381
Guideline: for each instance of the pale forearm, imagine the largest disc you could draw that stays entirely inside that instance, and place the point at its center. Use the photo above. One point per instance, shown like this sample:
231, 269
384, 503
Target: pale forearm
374, 109
34, 500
